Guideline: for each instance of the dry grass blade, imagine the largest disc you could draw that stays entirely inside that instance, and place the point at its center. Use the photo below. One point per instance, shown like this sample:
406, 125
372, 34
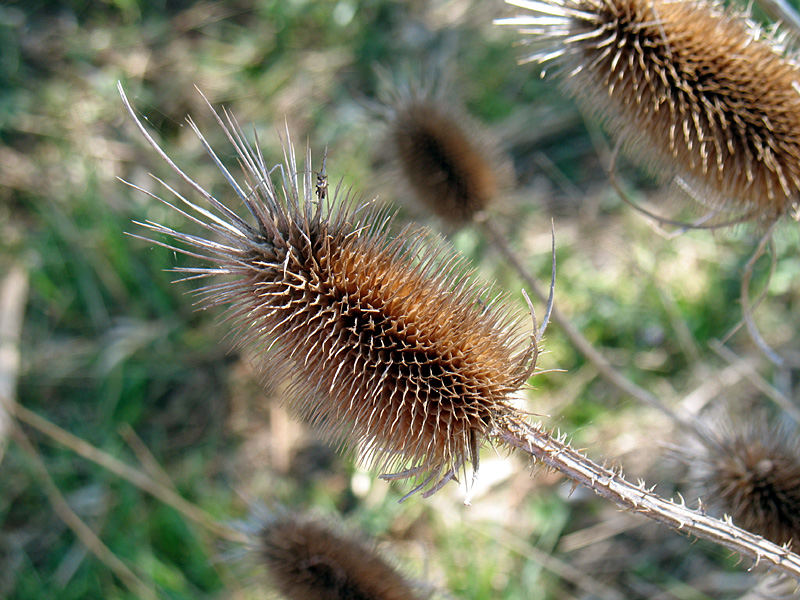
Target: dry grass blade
553, 564
748, 370
81, 530
13, 295
126, 472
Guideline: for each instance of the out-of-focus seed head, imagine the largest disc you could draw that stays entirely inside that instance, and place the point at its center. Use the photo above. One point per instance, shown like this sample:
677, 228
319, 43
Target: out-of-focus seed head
751, 471
699, 94
386, 342
308, 558
451, 165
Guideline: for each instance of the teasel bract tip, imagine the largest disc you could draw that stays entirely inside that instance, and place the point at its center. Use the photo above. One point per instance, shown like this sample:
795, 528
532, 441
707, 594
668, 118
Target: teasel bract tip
698, 93
387, 342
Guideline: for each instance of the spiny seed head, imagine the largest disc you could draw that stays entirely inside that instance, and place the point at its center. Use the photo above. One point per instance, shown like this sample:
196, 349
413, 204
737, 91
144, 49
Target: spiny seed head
701, 95
385, 342
751, 471
453, 168
310, 559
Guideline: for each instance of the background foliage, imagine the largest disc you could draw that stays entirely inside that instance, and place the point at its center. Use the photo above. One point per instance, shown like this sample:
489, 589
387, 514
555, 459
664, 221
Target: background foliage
110, 346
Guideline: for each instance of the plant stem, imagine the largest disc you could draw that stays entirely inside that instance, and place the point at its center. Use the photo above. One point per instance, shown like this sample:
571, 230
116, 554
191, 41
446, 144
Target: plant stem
559, 455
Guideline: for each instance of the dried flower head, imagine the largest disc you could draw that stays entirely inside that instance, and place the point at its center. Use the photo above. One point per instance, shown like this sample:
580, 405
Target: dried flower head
386, 342
751, 471
452, 166
308, 558
698, 93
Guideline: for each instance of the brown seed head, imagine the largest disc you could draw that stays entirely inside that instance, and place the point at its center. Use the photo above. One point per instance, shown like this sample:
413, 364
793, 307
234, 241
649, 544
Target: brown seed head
449, 173
309, 559
699, 94
751, 471
451, 165
386, 342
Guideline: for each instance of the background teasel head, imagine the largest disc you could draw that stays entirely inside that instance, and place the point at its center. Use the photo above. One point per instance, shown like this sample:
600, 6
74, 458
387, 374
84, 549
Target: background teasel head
699, 94
310, 558
452, 166
386, 342
750, 470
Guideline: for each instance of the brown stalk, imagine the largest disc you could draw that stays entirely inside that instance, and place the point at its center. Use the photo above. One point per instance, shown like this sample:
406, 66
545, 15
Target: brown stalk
584, 346
83, 532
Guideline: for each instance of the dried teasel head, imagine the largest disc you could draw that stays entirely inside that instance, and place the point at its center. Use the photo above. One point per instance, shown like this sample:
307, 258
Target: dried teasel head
699, 94
386, 342
750, 471
452, 166
308, 558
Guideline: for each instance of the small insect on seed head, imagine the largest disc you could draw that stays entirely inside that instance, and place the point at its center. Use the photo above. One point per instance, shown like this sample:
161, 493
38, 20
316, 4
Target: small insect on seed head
697, 93
308, 558
451, 165
751, 471
385, 342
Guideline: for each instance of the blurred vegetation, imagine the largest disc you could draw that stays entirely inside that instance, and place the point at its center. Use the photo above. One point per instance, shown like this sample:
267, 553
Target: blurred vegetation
109, 343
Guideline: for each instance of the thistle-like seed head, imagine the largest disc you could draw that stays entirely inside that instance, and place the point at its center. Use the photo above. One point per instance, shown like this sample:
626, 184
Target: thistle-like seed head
451, 165
307, 558
447, 172
751, 471
699, 94
385, 342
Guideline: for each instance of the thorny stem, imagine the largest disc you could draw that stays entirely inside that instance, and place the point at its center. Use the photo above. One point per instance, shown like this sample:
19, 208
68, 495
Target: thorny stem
559, 455
604, 368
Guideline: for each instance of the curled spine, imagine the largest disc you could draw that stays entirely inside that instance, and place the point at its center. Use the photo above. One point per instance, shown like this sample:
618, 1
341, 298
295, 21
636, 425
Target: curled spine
701, 95
387, 343
309, 558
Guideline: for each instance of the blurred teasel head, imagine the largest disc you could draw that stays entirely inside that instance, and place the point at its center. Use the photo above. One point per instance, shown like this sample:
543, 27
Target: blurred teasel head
750, 470
309, 558
451, 165
697, 93
386, 342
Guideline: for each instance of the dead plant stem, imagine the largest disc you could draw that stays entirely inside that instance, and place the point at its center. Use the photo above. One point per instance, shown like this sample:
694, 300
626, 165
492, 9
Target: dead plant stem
610, 484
